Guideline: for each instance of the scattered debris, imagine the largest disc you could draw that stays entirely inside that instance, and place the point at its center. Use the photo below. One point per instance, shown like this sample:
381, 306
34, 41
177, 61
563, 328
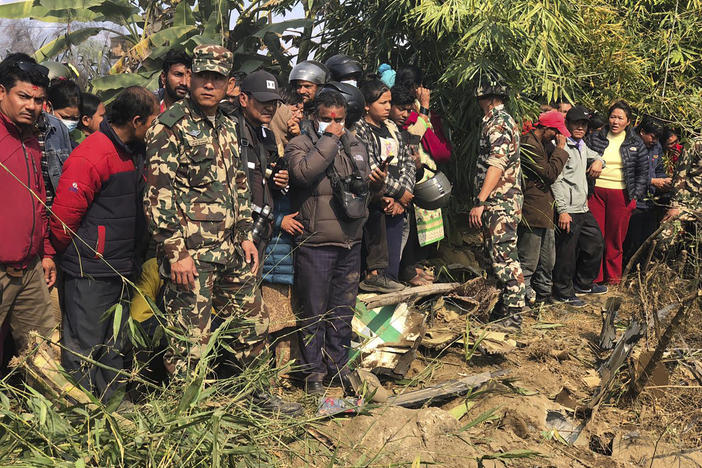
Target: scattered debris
673, 324
389, 337
564, 428
335, 406
444, 391
608, 335
621, 352
365, 383
659, 374
565, 398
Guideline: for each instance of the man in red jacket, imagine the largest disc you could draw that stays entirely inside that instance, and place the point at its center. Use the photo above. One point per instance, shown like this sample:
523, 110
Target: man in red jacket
96, 227
26, 266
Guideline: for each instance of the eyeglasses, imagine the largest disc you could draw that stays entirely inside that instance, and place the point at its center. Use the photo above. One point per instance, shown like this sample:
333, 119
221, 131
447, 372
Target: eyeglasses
29, 67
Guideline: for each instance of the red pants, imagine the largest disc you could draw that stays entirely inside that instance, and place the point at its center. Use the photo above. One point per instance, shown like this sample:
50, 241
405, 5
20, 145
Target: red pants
612, 213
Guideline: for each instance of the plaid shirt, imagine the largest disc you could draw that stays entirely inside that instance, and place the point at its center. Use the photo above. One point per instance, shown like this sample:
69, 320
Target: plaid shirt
42, 127
395, 185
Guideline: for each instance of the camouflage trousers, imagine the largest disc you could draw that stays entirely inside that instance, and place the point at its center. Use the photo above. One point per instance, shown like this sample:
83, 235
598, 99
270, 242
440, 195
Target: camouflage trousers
228, 290
500, 240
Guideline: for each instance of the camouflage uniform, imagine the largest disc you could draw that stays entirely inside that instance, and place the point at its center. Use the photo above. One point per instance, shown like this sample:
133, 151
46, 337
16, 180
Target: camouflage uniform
197, 203
499, 147
687, 191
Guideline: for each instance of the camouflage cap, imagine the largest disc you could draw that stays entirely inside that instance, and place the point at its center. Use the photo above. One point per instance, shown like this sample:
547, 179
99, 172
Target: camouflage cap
212, 57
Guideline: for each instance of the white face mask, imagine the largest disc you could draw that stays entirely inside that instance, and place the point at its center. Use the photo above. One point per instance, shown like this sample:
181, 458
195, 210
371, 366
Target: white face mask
322, 127
351, 82
70, 124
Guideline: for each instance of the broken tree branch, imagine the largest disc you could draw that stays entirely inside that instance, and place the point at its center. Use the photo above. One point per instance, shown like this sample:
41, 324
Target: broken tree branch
674, 324
444, 391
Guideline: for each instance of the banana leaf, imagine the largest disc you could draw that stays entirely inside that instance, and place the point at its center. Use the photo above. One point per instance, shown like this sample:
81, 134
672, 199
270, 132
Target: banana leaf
64, 41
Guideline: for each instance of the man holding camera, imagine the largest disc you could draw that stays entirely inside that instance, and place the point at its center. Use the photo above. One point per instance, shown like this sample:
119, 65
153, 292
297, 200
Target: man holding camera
331, 182
197, 202
265, 169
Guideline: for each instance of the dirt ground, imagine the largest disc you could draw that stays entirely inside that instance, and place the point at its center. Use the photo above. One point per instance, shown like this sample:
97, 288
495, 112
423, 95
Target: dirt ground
505, 424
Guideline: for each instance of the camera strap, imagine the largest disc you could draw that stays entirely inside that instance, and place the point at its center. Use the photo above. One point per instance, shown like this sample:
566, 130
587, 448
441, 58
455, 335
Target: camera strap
251, 154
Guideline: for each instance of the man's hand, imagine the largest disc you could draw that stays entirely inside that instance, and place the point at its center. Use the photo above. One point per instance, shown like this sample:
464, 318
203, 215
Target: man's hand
664, 184
376, 179
335, 128
671, 214
397, 210
423, 96
560, 141
595, 169
291, 225
250, 255
281, 179
294, 126
406, 198
564, 220
475, 216
388, 204
47, 263
183, 273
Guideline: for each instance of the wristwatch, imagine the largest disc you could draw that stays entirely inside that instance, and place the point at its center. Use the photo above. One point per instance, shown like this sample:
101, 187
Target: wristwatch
478, 202
424, 110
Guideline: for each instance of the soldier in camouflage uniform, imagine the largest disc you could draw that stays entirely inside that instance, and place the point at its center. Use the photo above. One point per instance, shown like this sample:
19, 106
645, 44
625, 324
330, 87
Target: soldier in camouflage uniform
686, 205
197, 202
498, 200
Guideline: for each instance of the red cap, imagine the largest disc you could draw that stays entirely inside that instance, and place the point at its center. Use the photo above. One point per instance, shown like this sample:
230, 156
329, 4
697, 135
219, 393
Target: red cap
554, 119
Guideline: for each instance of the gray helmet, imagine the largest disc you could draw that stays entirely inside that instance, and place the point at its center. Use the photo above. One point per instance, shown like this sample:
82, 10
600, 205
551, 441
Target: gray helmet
309, 70
433, 193
59, 70
353, 96
341, 66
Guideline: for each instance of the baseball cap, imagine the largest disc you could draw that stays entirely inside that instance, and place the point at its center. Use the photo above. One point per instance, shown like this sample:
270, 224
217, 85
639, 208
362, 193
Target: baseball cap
262, 86
213, 58
554, 119
578, 113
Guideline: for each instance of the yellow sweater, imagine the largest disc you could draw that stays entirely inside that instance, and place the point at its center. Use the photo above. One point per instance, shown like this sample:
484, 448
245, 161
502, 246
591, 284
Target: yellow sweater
612, 176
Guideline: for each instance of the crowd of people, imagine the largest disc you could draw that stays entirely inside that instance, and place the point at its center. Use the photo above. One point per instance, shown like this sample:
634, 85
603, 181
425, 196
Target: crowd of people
226, 199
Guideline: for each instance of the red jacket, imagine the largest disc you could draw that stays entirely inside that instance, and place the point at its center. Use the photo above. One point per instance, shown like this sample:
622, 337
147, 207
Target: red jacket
24, 232
98, 198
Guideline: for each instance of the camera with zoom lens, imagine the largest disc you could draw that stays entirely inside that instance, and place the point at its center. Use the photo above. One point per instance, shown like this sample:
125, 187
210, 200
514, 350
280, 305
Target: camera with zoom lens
356, 185
260, 229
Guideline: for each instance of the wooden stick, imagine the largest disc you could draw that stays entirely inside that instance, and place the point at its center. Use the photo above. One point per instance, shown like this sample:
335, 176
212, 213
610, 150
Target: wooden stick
408, 294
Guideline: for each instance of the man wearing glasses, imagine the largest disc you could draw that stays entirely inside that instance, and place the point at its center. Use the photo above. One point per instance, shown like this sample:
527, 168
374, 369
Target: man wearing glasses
27, 269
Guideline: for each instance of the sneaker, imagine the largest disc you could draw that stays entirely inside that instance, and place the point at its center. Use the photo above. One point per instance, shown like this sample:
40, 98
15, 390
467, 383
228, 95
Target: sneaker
571, 301
380, 283
273, 404
595, 289
540, 300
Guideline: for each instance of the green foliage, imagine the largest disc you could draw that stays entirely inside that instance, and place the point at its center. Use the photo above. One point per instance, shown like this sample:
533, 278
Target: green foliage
592, 52
150, 28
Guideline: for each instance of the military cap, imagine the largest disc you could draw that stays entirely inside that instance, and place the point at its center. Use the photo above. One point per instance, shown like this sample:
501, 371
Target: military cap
212, 57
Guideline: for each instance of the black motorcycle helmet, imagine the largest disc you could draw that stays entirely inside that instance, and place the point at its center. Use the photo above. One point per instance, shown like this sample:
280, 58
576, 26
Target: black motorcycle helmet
342, 67
355, 102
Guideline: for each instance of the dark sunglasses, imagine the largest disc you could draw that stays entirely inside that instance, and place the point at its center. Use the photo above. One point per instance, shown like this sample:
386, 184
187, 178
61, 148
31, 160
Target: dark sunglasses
29, 67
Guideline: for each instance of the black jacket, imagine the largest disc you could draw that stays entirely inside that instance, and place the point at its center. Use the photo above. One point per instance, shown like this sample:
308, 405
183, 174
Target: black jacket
634, 160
